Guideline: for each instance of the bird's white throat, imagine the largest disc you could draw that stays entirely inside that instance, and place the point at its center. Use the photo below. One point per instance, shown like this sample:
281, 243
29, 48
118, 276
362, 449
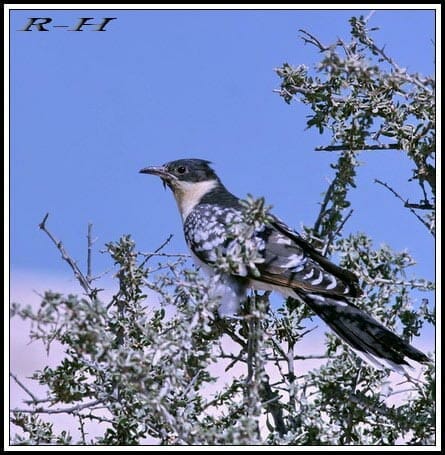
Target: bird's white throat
188, 194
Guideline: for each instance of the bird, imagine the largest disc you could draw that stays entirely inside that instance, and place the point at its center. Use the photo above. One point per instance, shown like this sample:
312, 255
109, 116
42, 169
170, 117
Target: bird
286, 262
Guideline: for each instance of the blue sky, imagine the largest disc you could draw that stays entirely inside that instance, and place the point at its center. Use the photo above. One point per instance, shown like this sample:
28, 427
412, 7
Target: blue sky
89, 109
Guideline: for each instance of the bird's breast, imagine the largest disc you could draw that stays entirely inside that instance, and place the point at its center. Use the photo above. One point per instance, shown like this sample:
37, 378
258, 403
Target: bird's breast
189, 194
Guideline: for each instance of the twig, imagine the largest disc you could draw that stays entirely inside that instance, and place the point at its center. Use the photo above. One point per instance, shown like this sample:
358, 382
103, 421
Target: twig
70, 410
89, 276
424, 206
412, 283
149, 255
302, 334
77, 273
227, 330
91, 416
401, 71
402, 391
270, 400
348, 431
156, 251
425, 196
251, 349
297, 357
324, 204
189, 386
347, 49
371, 13
294, 89
40, 400
308, 38
406, 204
377, 409
343, 147
277, 359
99, 276
16, 379
337, 232
82, 429
291, 373
279, 349
235, 359
167, 255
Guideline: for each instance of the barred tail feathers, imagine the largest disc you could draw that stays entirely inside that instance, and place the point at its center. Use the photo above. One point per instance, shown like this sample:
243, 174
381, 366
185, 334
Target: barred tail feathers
369, 338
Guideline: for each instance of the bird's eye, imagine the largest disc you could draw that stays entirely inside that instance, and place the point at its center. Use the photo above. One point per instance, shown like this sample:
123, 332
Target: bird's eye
181, 169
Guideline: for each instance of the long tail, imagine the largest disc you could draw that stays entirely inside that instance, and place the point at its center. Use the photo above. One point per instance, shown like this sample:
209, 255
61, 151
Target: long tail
368, 337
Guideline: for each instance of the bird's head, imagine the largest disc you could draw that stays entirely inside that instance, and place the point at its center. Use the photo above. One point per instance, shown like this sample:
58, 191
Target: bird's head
189, 180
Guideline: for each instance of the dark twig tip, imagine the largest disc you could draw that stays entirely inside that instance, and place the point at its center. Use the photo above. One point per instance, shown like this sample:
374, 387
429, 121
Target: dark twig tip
43, 222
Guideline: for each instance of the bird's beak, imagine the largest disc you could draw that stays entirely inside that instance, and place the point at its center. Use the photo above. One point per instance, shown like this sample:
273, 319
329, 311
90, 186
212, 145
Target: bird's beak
160, 171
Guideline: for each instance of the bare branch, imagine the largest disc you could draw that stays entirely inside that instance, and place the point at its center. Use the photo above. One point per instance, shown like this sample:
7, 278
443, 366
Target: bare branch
406, 204
308, 38
83, 281
16, 379
235, 359
156, 251
368, 17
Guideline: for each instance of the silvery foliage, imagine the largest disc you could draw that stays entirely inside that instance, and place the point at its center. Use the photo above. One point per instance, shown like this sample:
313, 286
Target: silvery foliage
140, 363
155, 364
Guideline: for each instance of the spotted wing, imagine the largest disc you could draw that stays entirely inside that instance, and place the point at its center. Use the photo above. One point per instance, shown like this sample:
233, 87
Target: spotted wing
288, 260
205, 231
293, 263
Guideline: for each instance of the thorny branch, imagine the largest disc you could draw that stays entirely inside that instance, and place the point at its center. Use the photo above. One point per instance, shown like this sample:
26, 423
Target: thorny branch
345, 147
